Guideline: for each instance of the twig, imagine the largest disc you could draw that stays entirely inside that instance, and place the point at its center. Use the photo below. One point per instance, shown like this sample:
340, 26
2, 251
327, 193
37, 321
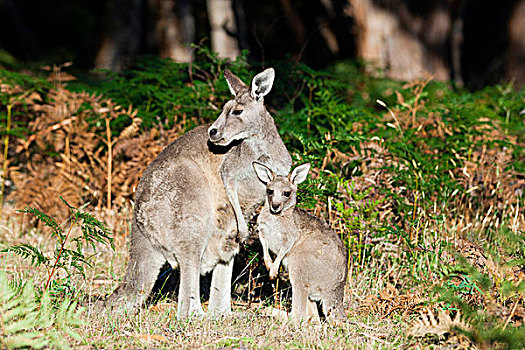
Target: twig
362, 325
250, 287
511, 313
277, 300
110, 162
393, 116
374, 338
221, 339
54, 127
303, 47
245, 268
63, 244
6, 147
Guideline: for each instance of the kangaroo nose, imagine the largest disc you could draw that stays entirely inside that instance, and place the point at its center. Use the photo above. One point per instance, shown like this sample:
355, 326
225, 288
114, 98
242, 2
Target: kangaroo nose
213, 132
275, 206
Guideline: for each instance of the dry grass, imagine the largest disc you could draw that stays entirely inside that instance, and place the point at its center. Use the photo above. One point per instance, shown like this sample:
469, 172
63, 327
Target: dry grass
249, 327
380, 299
156, 327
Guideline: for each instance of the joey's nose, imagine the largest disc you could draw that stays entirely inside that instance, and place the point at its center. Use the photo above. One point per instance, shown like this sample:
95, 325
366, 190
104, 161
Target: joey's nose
212, 132
275, 206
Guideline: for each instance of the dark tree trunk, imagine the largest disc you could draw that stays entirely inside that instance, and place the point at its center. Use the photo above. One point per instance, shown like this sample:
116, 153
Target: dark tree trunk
406, 39
242, 30
25, 37
296, 25
122, 35
457, 10
515, 70
174, 29
485, 42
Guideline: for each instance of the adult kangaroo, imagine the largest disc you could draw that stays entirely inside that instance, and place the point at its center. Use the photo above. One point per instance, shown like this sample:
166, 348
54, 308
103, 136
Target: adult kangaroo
195, 193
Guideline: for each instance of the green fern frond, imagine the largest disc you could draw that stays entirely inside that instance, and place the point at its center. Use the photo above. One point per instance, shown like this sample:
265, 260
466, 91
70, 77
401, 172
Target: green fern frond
69, 251
27, 322
46, 219
28, 251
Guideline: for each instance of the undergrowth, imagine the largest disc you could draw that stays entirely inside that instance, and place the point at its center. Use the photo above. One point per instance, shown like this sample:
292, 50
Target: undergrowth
44, 316
423, 182
30, 320
70, 255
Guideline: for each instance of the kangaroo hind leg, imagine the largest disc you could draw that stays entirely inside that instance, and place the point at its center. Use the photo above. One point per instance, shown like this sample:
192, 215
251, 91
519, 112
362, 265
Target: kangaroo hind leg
220, 292
141, 274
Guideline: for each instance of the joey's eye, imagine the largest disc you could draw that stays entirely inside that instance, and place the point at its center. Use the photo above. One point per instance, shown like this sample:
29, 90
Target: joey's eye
287, 193
269, 192
237, 112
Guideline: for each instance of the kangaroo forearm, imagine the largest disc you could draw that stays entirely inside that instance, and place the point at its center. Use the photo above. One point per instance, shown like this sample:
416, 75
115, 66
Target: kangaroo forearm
233, 198
280, 256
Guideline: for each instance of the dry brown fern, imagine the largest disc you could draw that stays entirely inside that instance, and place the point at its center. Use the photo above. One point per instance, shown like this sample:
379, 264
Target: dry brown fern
390, 301
69, 151
428, 324
73, 152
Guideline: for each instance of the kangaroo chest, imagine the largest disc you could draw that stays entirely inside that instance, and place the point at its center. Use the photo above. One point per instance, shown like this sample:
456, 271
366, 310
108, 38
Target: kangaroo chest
270, 229
276, 229
237, 168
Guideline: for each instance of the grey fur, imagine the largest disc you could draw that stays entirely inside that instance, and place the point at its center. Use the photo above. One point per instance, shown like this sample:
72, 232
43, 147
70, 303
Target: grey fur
182, 209
313, 253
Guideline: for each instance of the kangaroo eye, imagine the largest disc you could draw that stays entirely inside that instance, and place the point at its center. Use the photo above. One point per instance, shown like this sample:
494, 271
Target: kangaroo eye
237, 112
269, 192
287, 193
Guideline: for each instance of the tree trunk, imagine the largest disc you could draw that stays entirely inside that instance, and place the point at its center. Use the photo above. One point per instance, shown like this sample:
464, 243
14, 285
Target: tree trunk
242, 30
405, 41
19, 28
175, 29
457, 9
296, 25
121, 38
516, 54
223, 28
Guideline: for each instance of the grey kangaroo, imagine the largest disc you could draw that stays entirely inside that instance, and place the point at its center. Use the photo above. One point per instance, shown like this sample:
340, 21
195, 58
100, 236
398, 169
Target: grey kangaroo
194, 199
315, 256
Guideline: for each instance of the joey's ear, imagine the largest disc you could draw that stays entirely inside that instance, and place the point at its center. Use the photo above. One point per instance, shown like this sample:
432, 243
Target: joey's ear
235, 84
264, 173
300, 173
262, 83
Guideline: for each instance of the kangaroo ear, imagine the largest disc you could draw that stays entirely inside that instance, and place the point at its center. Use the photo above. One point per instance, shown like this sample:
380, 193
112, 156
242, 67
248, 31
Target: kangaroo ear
300, 173
235, 84
264, 173
262, 83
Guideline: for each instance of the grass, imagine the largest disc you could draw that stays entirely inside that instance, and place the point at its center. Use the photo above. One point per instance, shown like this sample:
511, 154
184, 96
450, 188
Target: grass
250, 327
379, 311
423, 182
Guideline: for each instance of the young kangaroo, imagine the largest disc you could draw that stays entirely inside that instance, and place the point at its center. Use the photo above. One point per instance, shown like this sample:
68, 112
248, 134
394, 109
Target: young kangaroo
195, 195
315, 256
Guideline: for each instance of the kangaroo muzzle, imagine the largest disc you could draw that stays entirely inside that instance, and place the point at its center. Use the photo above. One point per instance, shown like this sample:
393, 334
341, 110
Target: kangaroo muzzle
275, 208
214, 134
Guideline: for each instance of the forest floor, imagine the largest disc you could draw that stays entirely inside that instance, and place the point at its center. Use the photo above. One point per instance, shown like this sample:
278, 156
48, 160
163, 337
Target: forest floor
251, 325
381, 315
